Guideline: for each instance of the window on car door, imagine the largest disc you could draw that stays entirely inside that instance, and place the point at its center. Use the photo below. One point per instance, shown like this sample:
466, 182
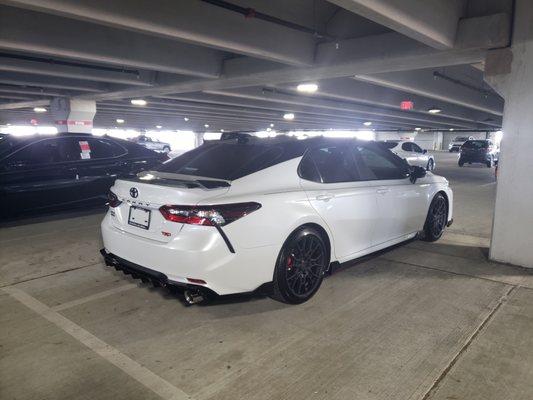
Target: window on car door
401, 204
407, 146
331, 164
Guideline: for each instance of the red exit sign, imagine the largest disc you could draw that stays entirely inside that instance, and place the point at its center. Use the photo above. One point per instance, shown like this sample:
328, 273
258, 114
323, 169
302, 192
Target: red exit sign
407, 105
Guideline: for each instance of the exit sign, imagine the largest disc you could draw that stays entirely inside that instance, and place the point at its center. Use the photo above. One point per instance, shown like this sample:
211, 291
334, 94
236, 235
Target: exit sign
407, 105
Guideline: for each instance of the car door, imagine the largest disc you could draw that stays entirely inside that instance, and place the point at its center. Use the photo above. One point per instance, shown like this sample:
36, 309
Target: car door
421, 155
102, 163
401, 204
37, 176
347, 205
409, 154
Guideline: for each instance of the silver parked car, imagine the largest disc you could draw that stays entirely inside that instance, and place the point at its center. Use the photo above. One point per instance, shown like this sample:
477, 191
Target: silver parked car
152, 144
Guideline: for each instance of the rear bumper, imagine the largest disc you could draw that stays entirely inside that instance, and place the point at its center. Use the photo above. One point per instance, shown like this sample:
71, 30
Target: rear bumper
198, 253
479, 158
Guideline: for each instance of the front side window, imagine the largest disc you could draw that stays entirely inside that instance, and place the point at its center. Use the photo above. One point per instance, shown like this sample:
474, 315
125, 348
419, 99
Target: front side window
92, 148
376, 165
417, 148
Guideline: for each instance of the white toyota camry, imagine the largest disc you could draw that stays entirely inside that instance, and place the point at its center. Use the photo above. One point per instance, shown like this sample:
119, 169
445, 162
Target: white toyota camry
235, 215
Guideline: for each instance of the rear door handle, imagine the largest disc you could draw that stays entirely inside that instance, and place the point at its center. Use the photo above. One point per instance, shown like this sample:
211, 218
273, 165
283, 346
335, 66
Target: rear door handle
324, 197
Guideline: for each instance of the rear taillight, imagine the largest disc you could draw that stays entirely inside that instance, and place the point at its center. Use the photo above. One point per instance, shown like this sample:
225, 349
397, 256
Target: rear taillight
216, 215
112, 200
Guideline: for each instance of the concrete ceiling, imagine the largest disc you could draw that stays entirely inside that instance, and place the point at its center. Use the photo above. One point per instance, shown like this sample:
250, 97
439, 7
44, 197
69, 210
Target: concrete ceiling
235, 64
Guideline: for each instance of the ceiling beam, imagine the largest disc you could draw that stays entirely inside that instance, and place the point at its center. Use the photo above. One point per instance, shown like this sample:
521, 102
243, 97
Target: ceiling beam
20, 79
432, 22
57, 69
425, 83
192, 21
30, 31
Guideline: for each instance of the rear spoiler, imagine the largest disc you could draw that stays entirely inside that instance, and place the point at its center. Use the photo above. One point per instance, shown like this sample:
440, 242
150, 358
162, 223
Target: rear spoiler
188, 180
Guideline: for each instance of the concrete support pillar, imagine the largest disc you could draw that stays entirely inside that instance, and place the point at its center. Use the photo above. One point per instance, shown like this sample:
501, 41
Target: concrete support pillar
198, 138
510, 72
73, 115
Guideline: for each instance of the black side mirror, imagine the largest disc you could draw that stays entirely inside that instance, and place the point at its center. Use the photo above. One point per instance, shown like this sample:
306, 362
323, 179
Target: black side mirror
416, 173
424, 151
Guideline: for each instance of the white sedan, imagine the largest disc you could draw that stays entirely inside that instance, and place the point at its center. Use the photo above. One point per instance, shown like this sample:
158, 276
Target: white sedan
412, 153
232, 216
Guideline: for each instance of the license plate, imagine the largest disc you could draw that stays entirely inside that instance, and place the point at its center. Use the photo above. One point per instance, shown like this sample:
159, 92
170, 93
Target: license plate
139, 217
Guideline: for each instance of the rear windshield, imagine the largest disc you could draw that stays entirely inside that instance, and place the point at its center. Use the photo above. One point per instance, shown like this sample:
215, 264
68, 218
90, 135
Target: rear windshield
460, 139
476, 144
230, 161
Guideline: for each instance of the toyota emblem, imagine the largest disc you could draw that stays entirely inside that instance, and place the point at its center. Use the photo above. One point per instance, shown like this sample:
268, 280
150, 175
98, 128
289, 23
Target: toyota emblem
134, 192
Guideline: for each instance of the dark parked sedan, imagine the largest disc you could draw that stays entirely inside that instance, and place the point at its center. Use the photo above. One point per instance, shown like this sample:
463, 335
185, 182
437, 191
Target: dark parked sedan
44, 172
478, 151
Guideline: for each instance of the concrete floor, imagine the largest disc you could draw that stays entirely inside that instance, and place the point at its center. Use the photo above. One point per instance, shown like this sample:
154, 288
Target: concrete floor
420, 321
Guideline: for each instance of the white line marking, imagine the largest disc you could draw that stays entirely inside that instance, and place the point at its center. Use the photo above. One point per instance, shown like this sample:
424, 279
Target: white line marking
141, 374
92, 297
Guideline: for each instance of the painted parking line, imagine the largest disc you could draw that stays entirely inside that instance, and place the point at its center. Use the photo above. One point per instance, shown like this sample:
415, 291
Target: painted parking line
92, 297
158, 385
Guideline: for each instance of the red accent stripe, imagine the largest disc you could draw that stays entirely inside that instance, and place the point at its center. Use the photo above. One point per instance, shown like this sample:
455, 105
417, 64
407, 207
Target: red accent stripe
73, 122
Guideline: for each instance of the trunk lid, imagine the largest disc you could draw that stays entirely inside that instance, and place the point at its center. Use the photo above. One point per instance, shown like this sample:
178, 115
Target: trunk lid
142, 197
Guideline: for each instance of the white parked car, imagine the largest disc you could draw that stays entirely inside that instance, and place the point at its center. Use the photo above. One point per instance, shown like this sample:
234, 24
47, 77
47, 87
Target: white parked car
152, 144
233, 215
455, 144
412, 153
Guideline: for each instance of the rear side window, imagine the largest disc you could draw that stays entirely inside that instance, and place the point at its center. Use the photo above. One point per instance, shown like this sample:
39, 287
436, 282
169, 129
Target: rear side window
329, 165
407, 146
47, 151
230, 160
92, 148
377, 165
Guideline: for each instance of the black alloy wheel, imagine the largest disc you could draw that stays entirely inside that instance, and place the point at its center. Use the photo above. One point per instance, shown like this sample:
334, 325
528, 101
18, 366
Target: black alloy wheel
436, 219
431, 165
300, 268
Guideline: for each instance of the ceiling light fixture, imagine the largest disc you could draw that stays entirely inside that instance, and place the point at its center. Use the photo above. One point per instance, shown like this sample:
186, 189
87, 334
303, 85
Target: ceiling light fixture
367, 123
288, 116
40, 109
206, 125
451, 129
120, 121
434, 110
222, 130
158, 126
418, 129
272, 125
185, 119
138, 102
307, 87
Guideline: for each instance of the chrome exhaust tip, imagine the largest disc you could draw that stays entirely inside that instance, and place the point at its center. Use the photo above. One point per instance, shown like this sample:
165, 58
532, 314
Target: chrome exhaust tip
192, 297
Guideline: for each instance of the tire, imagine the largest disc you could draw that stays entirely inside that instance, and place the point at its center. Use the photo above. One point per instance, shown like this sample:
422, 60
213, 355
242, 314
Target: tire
490, 163
461, 163
166, 149
300, 267
436, 219
431, 165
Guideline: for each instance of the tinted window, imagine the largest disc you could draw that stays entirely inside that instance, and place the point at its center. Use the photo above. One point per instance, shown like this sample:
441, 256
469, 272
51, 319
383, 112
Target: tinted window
46, 152
333, 164
373, 164
416, 148
407, 147
476, 144
100, 148
231, 160
389, 145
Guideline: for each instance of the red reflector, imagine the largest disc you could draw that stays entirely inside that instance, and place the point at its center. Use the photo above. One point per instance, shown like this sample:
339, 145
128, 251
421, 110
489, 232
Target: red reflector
198, 281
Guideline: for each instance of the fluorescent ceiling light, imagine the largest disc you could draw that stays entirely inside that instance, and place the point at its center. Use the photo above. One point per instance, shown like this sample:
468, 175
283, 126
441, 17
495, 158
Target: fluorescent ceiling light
307, 87
451, 129
158, 126
120, 121
272, 125
367, 123
40, 109
206, 125
138, 102
185, 119
434, 110
288, 116
222, 130
418, 129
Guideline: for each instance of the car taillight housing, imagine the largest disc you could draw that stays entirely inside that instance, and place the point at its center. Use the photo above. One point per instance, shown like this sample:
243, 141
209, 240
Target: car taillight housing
215, 215
112, 200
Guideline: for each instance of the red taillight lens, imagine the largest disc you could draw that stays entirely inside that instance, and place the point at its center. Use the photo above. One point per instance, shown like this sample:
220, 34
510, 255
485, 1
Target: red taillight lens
221, 214
112, 200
